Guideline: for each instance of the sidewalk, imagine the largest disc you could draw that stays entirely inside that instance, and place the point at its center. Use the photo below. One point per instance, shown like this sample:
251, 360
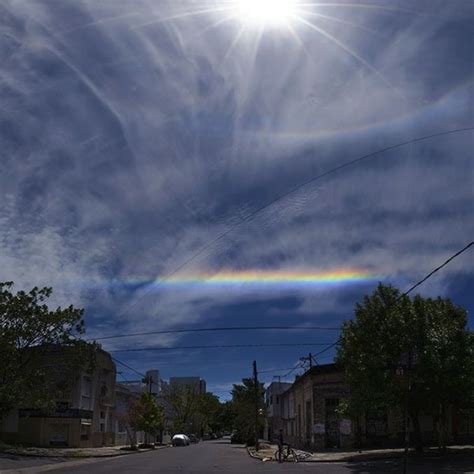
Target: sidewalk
267, 453
107, 451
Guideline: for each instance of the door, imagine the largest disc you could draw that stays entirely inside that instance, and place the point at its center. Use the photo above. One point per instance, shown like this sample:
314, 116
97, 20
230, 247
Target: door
332, 423
58, 435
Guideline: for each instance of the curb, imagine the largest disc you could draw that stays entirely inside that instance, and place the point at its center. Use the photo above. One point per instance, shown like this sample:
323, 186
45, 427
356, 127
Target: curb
364, 457
73, 457
252, 455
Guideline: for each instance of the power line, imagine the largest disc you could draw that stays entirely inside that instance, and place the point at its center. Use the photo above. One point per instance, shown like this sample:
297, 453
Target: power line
128, 367
296, 188
278, 328
420, 282
237, 328
326, 349
437, 269
299, 366
272, 371
223, 346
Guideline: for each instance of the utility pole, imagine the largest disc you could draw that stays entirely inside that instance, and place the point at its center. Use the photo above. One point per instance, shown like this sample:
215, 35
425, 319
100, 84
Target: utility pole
256, 387
404, 371
147, 380
407, 401
309, 358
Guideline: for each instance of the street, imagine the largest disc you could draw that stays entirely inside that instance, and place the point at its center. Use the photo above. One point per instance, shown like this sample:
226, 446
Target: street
221, 456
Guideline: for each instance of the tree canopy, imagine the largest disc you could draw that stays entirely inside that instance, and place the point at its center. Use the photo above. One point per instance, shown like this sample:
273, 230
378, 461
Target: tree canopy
243, 404
27, 325
395, 341
146, 415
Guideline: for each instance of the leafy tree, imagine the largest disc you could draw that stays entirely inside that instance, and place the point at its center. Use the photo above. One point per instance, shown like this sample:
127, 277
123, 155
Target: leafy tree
243, 401
146, 415
183, 403
425, 339
208, 411
27, 329
227, 416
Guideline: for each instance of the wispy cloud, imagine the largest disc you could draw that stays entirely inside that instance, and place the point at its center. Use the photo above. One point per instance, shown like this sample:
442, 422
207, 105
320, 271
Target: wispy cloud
126, 148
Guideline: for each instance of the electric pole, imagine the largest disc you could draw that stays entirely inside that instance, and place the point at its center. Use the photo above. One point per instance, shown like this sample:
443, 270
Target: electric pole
255, 381
309, 358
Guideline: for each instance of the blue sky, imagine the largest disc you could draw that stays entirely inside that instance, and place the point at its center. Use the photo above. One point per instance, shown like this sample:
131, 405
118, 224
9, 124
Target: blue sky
132, 136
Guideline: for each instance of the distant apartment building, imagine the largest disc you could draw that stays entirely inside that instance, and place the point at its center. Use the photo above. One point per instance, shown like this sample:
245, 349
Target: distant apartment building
84, 406
196, 384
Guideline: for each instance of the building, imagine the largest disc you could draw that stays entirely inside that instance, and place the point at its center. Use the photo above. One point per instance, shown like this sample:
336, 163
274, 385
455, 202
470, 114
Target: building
125, 396
127, 393
312, 419
83, 415
150, 383
196, 384
274, 408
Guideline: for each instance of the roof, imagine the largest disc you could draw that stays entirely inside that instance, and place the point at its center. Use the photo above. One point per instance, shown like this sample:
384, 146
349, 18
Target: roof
317, 370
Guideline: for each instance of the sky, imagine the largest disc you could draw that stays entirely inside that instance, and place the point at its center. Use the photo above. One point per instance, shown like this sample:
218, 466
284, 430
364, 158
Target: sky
138, 136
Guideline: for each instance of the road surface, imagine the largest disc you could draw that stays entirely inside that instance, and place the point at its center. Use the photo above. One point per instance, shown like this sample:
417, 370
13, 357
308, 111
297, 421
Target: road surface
222, 457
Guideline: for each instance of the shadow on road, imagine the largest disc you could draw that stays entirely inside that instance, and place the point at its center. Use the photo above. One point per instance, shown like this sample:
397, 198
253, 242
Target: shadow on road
419, 466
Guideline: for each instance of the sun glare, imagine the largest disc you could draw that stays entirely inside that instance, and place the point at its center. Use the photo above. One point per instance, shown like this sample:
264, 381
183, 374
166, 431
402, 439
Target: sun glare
266, 12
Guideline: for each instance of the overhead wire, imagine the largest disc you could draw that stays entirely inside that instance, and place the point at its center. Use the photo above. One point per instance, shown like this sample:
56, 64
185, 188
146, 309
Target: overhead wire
437, 269
420, 282
212, 329
296, 188
218, 346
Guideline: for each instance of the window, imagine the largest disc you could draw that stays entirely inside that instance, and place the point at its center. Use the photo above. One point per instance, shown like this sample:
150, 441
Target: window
102, 414
271, 399
277, 400
102, 427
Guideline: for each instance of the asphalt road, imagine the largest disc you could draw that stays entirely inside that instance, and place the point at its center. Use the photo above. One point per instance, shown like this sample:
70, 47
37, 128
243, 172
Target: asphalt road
222, 457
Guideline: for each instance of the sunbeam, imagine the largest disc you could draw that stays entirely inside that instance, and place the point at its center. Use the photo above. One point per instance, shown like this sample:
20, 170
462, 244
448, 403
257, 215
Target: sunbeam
235, 42
185, 14
359, 5
352, 53
338, 20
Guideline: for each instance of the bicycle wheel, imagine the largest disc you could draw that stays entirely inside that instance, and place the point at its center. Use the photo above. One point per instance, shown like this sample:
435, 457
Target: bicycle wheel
292, 456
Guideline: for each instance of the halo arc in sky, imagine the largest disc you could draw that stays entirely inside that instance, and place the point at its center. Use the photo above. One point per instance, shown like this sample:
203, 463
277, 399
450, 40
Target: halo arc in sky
268, 279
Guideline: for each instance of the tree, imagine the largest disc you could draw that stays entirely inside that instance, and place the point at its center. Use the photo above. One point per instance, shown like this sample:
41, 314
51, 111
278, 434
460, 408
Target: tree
208, 409
424, 339
243, 401
27, 326
227, 416
146, 415
183, 403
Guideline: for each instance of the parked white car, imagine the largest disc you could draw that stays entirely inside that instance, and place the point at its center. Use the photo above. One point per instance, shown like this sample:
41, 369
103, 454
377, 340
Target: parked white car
180, 440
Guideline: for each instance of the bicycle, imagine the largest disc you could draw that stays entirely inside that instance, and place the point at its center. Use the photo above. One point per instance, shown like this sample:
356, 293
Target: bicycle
287, 454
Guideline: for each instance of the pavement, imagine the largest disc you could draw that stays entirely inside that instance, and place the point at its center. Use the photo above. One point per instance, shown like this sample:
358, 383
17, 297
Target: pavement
106, 451
222, 457
267, 453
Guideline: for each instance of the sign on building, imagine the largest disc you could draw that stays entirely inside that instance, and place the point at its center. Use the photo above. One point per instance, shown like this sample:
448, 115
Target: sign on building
318, 428
345, 427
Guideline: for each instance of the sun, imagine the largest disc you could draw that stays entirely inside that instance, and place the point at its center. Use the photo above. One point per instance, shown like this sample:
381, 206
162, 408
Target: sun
266, 12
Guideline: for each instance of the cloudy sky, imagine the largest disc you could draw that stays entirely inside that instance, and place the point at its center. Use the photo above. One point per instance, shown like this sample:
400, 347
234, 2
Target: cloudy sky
138, 136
